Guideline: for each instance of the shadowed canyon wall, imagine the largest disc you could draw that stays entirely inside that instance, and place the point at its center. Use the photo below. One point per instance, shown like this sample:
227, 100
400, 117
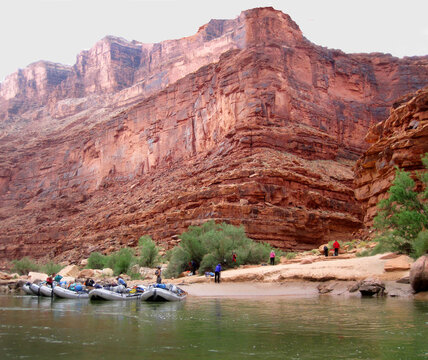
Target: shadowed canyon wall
246, 122
398, 141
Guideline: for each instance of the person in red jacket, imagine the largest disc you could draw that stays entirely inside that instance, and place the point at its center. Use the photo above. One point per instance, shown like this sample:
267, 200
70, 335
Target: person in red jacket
49, 280
336, 247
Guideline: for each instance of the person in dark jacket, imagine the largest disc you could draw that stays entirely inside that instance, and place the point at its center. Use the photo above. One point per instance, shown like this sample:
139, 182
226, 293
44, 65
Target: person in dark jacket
217, 273
326, 250
158, 274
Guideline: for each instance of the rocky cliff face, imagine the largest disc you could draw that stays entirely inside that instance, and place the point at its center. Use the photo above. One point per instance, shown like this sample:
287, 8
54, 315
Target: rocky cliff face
400, 140
245, 122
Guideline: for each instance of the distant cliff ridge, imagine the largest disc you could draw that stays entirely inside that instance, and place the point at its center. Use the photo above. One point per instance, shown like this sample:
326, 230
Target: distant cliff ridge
246, 122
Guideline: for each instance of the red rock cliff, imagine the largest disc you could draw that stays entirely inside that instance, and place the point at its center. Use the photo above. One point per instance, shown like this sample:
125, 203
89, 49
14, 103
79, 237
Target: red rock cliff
246, 122
399, 141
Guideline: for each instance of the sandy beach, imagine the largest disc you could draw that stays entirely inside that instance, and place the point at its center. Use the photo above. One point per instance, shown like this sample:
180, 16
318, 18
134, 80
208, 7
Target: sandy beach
303, 277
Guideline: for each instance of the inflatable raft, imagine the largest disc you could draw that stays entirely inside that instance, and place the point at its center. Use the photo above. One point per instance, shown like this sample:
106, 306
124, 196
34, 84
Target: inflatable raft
70, 294
118, 293
45, 290
26, 288
164, 292
35, 288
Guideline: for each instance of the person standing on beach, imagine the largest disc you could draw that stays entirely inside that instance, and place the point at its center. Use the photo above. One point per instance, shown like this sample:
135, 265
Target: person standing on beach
158, 274
217, 273
336, 247
272, 257
233, 257
325, 250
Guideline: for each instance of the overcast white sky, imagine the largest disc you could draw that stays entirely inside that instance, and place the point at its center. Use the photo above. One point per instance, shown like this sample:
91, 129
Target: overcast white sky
57, 30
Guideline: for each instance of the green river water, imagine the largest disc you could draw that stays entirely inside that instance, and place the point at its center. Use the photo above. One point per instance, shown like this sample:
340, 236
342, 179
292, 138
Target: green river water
208, 328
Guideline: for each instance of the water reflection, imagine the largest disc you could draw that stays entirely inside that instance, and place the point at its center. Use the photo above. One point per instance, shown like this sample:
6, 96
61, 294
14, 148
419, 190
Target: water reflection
272, 328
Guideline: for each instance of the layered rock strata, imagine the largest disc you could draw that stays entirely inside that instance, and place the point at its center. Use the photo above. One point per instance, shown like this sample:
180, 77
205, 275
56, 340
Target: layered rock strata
245, 122
399, 141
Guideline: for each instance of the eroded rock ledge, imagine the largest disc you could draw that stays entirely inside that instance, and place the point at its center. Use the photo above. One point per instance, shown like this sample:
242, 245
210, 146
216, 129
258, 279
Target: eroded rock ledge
246, 122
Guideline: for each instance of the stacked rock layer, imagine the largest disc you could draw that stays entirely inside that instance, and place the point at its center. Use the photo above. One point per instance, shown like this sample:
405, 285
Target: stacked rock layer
245, 122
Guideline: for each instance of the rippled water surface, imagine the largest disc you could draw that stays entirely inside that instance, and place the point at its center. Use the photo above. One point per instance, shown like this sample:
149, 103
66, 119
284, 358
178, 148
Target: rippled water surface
276, 328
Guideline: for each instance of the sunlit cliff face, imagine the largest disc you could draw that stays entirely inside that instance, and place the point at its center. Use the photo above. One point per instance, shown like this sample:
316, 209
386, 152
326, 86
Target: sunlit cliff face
245, 122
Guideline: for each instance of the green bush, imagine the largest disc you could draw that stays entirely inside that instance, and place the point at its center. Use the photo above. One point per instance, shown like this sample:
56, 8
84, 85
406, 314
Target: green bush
290, 255
135, 276
363, 253
149, 252
24, 266
120, 261
210, 244
404, 214
51, 268
420, 245
180, 259
350, 245
96, 261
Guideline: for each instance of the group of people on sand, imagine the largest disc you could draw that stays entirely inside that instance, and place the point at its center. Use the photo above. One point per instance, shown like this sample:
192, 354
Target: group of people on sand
336, 247
217, 270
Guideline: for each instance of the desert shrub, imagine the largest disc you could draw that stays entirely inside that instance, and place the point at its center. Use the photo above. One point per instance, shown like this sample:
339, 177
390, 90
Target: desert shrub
363, 253
420, 245
362, 244
120, 261
50, 267
124, 259
290, 255
218, 241
96, 261
24, 266
350, 245
404, 214
180, 259
149, 252
209, 262
135, 276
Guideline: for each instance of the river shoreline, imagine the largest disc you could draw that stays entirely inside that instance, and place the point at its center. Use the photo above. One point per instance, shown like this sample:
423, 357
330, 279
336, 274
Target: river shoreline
302, 277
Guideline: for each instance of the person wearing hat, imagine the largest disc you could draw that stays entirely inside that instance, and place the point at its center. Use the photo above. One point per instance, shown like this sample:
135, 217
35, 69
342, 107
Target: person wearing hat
158, 274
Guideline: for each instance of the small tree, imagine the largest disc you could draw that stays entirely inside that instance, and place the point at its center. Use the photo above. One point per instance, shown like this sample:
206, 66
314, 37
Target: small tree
403, 216
96, 261
210, 244
149, 252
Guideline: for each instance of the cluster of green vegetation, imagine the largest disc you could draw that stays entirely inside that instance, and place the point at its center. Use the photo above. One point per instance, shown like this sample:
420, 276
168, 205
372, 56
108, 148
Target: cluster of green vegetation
402, 220
122, 261
210, 244
26, 264
290, 255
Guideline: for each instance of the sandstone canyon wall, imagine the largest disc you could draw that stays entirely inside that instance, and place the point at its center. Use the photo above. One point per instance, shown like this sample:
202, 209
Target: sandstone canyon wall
399, 141
246, 122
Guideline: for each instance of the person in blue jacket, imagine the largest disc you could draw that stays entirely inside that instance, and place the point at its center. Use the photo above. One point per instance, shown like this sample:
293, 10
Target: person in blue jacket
217, 273
120, 281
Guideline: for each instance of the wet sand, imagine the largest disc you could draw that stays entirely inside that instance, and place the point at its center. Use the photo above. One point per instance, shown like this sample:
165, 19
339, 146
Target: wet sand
251, 290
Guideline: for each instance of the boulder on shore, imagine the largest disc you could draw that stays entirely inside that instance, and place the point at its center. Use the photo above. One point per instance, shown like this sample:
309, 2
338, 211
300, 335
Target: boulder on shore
370, 287
36, 276
107, 272
70, 270
419, 274
400, 263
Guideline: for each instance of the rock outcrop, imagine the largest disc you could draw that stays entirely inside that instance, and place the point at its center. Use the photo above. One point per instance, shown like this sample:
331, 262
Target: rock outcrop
419, 274
399, 141
246, 122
